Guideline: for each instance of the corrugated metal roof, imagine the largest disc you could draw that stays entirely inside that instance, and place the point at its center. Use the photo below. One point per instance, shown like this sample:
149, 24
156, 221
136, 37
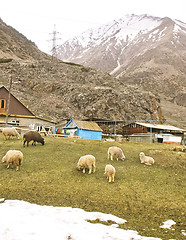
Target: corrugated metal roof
87, 125
161, 126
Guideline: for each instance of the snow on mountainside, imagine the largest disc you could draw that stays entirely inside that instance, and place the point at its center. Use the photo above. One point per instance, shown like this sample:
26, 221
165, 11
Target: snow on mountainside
109, 44
123, 30
145, 51
57, 90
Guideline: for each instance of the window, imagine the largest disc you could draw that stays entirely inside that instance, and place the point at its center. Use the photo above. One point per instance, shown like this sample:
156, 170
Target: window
2, 103
16, 122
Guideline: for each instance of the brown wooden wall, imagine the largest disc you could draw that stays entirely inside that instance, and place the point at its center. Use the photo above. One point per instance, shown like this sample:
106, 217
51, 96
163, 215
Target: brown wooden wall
134, 128
16, 107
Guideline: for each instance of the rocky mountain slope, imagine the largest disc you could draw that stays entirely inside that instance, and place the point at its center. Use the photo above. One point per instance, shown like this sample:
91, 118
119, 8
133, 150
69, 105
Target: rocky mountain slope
110, 44
58, 90
143, 51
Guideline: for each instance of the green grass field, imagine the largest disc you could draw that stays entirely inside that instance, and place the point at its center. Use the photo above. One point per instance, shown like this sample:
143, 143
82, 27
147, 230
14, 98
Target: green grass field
145, 196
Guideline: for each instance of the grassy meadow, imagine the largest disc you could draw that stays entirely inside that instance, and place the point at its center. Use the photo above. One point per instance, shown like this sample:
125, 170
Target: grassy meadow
145, 196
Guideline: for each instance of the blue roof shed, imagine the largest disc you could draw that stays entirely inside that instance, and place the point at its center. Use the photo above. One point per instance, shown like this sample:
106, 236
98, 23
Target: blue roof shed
83, 129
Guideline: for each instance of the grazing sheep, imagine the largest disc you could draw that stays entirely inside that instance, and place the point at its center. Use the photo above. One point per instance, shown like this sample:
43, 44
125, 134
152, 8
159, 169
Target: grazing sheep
13, 157
110, 172
117, 152
32, 136
10, 131
146, 159
87, 161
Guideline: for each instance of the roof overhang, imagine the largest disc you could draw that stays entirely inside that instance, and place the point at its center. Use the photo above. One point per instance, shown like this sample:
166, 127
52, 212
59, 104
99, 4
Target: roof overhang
161, 126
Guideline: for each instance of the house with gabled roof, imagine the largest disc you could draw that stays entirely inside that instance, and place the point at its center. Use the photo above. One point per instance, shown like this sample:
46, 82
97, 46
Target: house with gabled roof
18, 113
83, 129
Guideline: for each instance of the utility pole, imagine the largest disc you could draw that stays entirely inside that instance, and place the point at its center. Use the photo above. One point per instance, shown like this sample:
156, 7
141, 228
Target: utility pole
150, 131
8, 101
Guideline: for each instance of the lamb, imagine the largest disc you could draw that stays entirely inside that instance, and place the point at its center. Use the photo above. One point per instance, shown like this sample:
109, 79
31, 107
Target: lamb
10, 131
32, 136
13, 157
117, 152
110, 172
146, 159
87, 161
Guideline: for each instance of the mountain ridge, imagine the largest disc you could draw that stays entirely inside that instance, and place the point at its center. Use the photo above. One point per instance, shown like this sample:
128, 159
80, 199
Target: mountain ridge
123, 31
58, 90
150, 54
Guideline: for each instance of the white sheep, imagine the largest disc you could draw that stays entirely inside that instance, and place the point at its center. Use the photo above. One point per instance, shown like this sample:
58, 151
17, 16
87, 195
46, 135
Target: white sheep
87, 161
117, 152
146, 159
13, 157
110, 172
8, 132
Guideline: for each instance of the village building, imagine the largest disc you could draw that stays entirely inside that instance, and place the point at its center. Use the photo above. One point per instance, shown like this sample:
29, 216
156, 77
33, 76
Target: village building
147, 132
83, 129
18, 114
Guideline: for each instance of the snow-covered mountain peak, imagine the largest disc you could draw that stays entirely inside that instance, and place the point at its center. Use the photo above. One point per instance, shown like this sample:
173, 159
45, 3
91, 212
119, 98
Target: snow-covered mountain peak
124, 42
126, 28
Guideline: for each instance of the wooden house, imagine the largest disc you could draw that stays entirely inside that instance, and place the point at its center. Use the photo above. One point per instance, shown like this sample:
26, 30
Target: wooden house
18, 113
83, 129
147, 132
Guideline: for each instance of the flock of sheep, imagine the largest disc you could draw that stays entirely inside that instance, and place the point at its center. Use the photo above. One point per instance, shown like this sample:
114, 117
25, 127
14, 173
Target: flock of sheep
15, 158
89, 162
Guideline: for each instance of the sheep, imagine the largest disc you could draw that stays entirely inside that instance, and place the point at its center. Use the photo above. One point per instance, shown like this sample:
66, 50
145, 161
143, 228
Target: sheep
110, 172
32, 136
10, 131
146, 159
117, 152
87, 161
13, 157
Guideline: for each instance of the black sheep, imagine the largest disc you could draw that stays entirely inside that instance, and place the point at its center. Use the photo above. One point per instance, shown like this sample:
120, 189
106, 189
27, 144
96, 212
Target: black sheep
32, 136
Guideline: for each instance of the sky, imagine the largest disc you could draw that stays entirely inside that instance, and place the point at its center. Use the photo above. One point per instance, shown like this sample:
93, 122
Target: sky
21, 220
38, 19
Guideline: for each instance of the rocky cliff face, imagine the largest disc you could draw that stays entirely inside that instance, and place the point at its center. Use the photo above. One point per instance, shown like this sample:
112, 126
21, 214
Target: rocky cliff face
59, 90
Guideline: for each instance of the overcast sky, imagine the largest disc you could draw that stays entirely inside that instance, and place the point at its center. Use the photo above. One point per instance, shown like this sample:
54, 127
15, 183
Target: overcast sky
36, 18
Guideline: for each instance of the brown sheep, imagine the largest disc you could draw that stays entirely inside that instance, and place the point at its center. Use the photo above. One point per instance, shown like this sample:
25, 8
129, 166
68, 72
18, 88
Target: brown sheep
32, 136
